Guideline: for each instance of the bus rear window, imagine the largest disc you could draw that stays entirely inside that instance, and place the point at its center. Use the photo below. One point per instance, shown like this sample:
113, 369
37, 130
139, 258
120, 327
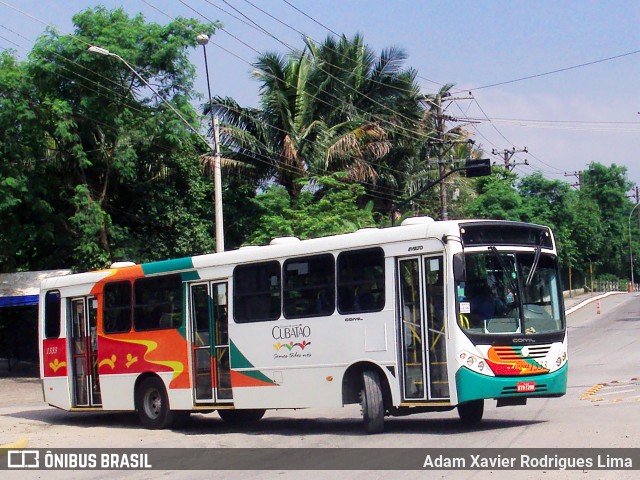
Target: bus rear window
52, 314
256, 292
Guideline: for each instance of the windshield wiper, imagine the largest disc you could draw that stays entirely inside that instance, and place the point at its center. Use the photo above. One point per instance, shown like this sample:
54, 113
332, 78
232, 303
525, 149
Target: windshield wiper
504, 267
534, 266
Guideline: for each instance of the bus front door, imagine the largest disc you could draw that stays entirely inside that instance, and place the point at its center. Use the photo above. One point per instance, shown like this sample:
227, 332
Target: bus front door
422, 329
210, 343
84, 352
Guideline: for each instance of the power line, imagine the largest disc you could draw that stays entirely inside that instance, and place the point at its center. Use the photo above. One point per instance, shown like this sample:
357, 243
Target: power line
315, 42
538, 75
412, 135
440, 84
383, 106
505, 138
311, 18
11, 42
16, 33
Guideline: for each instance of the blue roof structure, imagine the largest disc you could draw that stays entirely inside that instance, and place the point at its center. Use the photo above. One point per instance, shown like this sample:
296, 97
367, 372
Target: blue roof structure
22, 289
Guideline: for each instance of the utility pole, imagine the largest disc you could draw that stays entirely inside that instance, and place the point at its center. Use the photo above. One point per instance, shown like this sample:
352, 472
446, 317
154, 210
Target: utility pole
578, 175
441, 166
508, 154
440, 124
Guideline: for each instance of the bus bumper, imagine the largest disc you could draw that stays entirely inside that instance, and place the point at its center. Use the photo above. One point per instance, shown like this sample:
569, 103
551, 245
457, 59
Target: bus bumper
473, 386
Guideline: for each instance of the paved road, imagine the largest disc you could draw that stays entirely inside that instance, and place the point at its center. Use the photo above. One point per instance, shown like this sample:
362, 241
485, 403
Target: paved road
601, 409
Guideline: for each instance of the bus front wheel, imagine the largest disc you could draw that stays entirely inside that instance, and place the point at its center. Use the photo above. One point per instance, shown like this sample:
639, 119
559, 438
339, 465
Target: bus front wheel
470, 413
152, 404
372, 402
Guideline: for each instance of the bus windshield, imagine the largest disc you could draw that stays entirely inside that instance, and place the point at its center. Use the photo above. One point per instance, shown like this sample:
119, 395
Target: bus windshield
510, 293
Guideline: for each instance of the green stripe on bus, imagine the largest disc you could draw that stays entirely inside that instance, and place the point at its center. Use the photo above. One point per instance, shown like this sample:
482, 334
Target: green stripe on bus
238, 360
167, 266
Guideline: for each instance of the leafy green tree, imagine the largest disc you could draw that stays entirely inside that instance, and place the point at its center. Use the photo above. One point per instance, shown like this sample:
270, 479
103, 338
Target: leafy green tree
551, 203
587, 232
330, 210
607, 187
117, 172
497, 198
28, 225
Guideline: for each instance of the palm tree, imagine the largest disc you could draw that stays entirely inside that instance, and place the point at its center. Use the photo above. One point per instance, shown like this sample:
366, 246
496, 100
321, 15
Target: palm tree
268, 141
371, 103
328, 108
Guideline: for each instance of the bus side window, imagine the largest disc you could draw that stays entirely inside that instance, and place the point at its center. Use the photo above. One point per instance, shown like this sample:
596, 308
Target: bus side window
117, 307
256, 292
158, 303
309, 286
52, 305
361, 281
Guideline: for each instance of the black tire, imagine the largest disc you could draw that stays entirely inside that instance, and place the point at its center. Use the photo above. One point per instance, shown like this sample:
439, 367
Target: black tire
152, 404
236, 417
372, 402
471, 412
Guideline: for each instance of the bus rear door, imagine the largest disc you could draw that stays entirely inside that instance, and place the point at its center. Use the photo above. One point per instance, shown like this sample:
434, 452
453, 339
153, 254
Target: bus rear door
84, 352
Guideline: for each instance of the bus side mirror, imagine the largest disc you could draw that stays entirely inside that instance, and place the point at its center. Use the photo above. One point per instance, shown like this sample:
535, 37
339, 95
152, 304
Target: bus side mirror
458, 267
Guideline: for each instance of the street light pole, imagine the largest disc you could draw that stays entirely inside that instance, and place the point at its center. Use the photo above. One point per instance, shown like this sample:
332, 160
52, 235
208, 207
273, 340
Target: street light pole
630, 249
213, 148
203, 39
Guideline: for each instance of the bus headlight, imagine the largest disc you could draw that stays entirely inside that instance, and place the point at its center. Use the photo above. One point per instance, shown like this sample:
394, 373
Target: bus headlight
474, 362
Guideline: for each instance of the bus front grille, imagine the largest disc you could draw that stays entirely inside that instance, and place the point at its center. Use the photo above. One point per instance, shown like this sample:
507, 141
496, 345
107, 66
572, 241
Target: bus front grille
511, 353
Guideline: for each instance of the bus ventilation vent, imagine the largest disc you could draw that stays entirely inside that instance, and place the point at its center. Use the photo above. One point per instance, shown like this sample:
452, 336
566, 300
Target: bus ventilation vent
283, 240
122, 264
417, 221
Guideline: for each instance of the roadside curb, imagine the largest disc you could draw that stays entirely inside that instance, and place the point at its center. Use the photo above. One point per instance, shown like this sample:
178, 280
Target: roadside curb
577, 307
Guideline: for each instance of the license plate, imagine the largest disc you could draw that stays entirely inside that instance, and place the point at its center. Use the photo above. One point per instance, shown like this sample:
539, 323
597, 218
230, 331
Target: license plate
524, 387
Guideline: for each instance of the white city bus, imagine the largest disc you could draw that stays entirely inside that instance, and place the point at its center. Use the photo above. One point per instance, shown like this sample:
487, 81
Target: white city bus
422, 317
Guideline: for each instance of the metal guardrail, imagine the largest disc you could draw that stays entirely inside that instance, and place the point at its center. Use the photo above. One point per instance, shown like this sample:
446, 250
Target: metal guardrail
613, 286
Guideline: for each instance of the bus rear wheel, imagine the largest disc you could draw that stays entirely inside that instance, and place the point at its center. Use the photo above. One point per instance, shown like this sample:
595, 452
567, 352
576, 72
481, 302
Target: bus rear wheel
236, 417
152, 404
470, 413
372, 402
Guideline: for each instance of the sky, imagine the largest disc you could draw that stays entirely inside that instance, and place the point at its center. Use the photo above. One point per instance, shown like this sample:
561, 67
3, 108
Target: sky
499, 55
